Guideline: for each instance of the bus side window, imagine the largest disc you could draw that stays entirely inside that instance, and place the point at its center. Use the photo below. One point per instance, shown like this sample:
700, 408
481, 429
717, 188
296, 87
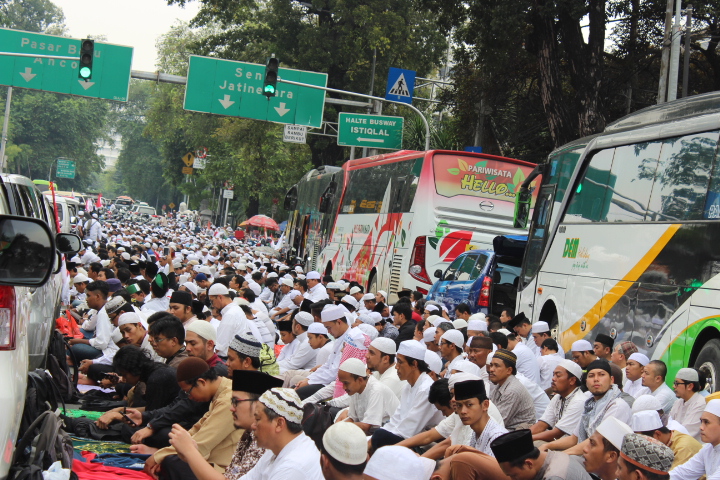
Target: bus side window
683, 176
590, 200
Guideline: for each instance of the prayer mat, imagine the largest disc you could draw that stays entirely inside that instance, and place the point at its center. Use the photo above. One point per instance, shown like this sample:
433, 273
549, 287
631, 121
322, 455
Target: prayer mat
98, 446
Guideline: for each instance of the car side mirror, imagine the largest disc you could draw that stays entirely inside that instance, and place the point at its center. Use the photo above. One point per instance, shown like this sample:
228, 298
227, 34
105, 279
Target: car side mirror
27, 251
68, 243
438, 273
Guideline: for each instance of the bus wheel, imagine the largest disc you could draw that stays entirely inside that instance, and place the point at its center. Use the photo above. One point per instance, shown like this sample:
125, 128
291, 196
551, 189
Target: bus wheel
708, 363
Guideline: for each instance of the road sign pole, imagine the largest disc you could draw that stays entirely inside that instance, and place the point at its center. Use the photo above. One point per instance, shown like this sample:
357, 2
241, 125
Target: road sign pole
227, 206
344, 92
3, 140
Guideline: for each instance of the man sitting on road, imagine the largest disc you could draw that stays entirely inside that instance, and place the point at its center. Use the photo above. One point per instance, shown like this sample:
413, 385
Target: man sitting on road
690, 405
509, 395
653, 377
566, 407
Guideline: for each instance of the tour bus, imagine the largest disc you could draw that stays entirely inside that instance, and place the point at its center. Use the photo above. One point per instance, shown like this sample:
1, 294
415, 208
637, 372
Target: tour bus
386, 221
44, 185
623, 239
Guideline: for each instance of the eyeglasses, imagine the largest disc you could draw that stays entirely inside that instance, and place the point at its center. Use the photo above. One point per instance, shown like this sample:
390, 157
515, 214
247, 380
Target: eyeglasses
155, 341
236, 401
191, 389
680, 383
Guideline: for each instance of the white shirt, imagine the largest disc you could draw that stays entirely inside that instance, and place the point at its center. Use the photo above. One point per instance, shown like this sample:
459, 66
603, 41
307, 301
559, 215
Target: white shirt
328, 372
452, 365
317, 293
414, 412
666, 396
299, 459
156, 305
288, 350
103, 331
302, 358
540, 398
374, 405
286, 302
635, 388
234, 322
391, 379
705, 462
267, 295
547, 367
688, 414
323, 353
564, 414
529, 342
527, 363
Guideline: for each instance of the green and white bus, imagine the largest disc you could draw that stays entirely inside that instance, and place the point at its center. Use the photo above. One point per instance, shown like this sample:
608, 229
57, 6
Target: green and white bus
625, 236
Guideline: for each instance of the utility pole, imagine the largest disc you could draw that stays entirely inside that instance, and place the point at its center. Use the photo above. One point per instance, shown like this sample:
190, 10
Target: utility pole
662, 87
675, 54
6, 121
686, 64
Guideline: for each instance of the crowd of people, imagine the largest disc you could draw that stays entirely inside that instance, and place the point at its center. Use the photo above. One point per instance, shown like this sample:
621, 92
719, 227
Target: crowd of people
235, 365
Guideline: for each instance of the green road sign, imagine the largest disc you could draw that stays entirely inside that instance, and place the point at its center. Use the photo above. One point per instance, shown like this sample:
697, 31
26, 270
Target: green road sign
65, 168
372, 131
225, 87
111, 66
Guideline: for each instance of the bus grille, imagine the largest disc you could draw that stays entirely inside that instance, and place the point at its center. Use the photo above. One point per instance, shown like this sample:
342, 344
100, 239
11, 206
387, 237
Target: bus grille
395, 274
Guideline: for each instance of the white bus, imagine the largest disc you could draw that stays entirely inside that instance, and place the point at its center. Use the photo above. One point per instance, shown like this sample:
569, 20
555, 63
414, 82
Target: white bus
624, 236
389, 221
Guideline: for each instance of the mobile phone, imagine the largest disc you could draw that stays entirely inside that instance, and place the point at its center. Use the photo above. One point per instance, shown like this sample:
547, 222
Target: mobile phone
132, 424
112, 376
166, 251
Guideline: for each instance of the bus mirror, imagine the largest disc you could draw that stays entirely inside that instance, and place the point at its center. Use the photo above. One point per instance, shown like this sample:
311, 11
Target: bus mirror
326, 202
522, 209
291, 199
438, 273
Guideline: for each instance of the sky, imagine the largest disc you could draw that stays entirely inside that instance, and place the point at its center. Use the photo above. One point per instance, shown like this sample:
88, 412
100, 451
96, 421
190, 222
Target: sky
134, 23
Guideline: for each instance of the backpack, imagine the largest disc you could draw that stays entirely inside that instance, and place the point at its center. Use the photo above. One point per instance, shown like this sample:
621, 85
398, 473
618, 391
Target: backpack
41, 395
316, 420
44, 443
59, 369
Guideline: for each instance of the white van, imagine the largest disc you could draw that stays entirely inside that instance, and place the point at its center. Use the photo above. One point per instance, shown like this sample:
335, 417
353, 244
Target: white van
67, 209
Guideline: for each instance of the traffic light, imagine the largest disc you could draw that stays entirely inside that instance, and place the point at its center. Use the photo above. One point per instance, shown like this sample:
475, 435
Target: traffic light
87, 52
271, 76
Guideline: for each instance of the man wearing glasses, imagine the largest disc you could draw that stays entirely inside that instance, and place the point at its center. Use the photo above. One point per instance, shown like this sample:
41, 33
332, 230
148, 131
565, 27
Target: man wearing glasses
690, 404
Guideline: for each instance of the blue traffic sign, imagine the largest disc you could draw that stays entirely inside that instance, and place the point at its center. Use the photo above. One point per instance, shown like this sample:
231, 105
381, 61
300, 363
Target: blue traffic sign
473, 149
400, 85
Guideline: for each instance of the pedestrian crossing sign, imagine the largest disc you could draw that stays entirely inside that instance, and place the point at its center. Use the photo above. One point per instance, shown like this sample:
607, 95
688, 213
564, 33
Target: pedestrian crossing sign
400, 85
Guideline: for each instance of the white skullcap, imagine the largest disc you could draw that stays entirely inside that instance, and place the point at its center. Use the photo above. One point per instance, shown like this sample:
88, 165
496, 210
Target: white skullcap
317, 329
646, 421
355, 290
350, 301
368, 296
385, 345
687, 374
429, 335
383, 293
80, 278
477, 316
646, 402
203, 329
272, 275
540, 327
505, 331
354, 366
713, 406
432, 308
369, 330
192, 287
454, 336
218, 289
467, 366
581, 346
460, 377
129, 317
304, 318
313, 276
571, 367
116, 335
292, 294
614, 431
640, 358
372, 318
412, 349
298, 269
459, 323
393, 462
436, 320
346, 443
287, 282
332, 313
477, 325
334, 286
255, 288
433, 361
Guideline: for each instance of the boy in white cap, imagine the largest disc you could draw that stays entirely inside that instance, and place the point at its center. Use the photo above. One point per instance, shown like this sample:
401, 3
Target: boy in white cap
371, 402
707, 460
690, 404
234, 320
414, 411
278, 428
648, 422
601, 453
633, 371
344, 452
316, 290
380, 360
563, 414
451, 349
304, 356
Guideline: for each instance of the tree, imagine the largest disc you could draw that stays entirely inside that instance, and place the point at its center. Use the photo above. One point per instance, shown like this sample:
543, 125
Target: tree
41, 16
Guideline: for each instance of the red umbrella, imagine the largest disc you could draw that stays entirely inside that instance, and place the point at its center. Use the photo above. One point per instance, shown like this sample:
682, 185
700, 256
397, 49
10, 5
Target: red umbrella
262, 221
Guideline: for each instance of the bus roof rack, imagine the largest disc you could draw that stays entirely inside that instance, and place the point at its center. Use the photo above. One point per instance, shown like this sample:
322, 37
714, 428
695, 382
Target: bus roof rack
665, 112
